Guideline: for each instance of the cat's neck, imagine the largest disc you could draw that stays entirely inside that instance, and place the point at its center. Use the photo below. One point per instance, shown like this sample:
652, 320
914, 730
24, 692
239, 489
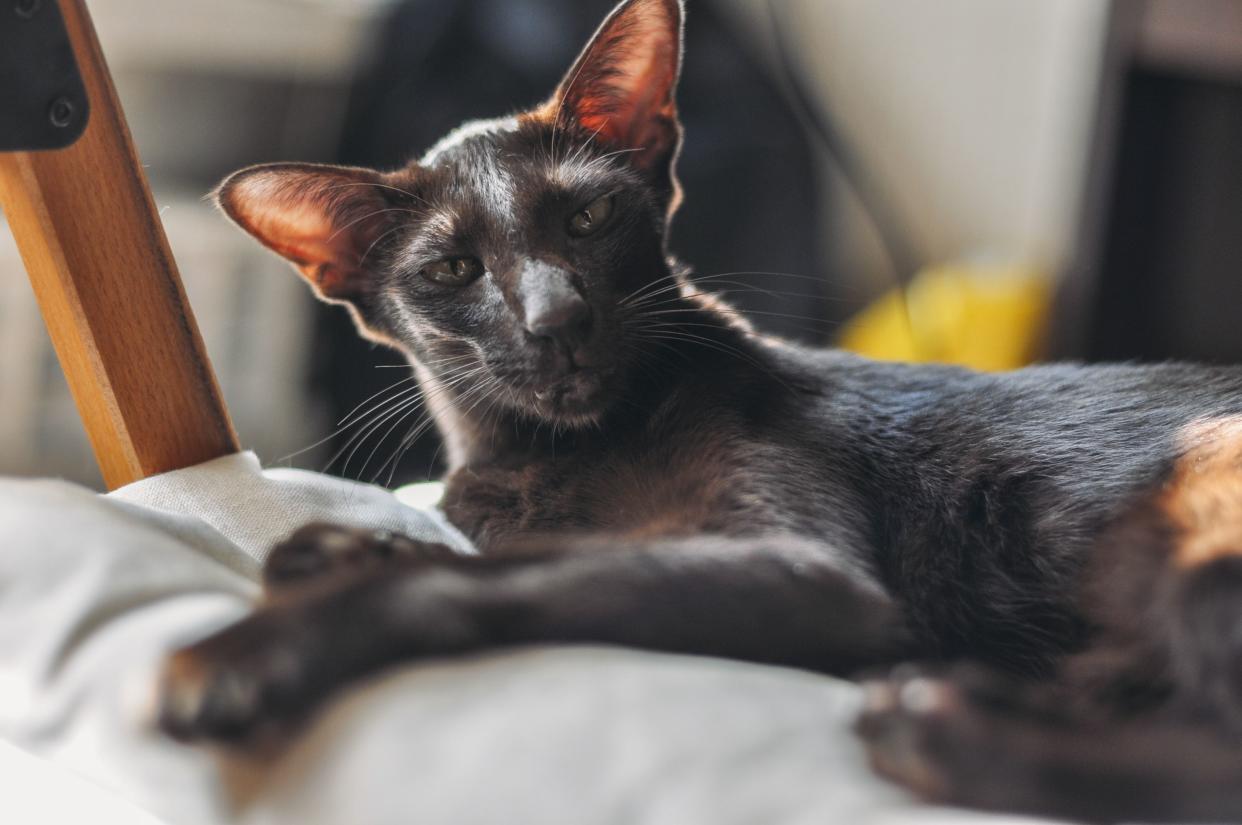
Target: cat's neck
691, 332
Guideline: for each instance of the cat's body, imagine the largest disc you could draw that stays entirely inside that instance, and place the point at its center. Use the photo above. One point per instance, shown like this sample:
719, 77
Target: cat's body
974, 499
639, 467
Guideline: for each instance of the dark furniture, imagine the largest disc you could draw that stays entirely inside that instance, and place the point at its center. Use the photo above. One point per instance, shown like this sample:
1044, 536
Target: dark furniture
1158, 269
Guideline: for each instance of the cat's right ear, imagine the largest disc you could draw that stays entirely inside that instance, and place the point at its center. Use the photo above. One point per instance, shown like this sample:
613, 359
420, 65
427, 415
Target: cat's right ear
322, 219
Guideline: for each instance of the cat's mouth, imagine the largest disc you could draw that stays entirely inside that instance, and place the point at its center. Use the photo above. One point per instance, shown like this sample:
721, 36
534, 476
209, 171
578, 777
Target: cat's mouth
569, 385
575, 395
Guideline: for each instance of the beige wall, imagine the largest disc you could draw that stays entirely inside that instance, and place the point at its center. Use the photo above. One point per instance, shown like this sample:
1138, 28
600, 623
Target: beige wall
974, 115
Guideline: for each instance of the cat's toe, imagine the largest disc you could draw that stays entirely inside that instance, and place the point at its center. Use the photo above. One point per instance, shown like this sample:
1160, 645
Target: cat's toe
321, 549
197, 702
907, 725
235, 688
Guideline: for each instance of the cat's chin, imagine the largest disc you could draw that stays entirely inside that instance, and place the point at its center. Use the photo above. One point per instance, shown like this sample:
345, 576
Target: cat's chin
577, 399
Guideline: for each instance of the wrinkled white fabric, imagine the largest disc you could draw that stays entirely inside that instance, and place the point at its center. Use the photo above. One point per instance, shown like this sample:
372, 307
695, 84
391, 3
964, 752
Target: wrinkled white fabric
254, 508
92, 593
94, 590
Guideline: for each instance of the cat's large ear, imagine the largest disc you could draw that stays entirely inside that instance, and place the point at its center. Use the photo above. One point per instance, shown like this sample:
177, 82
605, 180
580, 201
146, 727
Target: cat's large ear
622, 88
323, 219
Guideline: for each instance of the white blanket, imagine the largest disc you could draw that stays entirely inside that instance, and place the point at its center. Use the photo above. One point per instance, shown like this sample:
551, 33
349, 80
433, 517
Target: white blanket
94, 590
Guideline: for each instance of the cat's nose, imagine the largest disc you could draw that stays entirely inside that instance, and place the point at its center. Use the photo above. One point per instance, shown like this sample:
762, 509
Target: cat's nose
553, 307
565, 321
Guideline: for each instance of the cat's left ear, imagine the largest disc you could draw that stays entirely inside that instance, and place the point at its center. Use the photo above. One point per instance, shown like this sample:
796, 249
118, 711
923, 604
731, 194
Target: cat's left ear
622, 88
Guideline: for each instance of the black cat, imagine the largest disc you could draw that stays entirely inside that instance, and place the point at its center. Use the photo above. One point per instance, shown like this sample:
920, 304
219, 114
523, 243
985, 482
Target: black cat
640, 467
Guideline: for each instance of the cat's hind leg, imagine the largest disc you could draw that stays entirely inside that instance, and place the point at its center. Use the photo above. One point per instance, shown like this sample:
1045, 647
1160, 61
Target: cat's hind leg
1202, 592
1165, 581
1147, 724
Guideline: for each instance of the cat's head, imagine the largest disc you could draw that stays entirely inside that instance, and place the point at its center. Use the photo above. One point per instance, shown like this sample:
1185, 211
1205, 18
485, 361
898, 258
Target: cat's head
508, 251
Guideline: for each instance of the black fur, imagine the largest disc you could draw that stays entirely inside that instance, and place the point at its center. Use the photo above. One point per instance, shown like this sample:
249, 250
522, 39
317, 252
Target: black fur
667, 478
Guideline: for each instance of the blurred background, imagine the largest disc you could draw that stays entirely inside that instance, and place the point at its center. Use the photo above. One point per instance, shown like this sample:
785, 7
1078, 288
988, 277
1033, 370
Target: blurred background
988, 182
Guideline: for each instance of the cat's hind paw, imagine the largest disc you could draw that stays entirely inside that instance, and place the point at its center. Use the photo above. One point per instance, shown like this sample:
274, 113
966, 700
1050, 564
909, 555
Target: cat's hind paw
906, 725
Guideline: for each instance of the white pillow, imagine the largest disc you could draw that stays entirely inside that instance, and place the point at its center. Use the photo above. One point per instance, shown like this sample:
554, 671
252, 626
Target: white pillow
95, 590
254, 508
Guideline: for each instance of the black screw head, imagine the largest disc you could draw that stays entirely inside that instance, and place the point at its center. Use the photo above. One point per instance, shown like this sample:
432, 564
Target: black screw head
27, 9
61, 112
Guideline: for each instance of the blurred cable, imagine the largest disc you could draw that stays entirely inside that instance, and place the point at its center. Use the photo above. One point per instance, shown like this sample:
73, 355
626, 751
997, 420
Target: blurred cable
893, 235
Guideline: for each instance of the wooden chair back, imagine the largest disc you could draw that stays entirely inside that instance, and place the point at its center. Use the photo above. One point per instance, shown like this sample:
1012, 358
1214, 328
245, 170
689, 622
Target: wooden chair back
108, 288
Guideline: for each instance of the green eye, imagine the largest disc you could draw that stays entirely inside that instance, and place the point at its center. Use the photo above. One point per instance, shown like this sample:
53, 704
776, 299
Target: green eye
590, 219
453, 271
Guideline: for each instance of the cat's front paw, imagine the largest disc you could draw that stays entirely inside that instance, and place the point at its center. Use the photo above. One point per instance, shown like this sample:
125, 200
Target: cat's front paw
321, 550
247, 683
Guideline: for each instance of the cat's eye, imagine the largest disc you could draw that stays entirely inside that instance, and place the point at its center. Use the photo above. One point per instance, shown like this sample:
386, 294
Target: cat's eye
453, 271
589, 220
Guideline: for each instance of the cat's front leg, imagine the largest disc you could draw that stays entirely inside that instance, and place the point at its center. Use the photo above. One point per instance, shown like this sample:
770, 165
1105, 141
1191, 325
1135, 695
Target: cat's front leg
779, 600
263, 674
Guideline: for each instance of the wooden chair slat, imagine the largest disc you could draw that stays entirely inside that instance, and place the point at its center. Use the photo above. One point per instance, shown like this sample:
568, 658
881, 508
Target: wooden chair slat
109, 291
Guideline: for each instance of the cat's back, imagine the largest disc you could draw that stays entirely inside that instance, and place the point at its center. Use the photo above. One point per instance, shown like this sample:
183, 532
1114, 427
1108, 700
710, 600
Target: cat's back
927, 441
1105, 417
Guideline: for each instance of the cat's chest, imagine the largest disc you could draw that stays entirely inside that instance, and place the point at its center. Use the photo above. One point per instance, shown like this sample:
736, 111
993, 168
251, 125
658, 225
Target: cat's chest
672, 487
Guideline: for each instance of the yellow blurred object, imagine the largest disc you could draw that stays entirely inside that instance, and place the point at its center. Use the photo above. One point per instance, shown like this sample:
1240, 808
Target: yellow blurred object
973, 315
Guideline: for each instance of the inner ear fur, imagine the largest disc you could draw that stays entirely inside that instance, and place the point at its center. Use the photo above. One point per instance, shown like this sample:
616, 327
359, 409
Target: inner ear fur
622, 88
325, 220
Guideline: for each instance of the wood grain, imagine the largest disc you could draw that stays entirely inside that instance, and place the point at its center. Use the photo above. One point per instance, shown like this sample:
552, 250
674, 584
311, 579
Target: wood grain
109, 291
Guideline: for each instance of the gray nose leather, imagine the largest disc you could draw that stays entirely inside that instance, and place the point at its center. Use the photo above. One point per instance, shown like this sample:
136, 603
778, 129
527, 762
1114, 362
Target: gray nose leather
552, 306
